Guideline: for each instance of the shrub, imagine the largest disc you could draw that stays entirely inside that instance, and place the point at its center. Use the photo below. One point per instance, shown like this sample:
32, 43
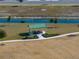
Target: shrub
22, 22
24, 34
53, 20
28, 35
2, 34
49, 35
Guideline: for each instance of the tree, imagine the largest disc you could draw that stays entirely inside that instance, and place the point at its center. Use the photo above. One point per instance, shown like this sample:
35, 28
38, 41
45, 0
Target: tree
20, 0
53, 20
22, 22
2, 34
9, 18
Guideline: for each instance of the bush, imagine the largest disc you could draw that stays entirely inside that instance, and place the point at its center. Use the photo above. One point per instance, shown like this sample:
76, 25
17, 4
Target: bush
30, 37
24, 34
49, 35
2, 34
22, 22
53, 20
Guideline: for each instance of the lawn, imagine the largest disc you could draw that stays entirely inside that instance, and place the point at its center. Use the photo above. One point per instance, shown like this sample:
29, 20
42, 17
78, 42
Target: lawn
14, 29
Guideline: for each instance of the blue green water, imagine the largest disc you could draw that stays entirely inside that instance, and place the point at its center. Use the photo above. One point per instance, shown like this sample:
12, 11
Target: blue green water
29, 20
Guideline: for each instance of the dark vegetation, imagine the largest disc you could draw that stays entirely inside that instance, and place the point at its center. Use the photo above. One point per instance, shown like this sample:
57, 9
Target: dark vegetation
75, 6
22, 22
2, 34
53, 20
50, 35
9, 18
28, 35
20, 0
34, 36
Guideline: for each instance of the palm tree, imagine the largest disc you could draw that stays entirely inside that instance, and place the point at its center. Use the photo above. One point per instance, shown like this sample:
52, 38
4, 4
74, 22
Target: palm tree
53, 20
22, 22
9, 18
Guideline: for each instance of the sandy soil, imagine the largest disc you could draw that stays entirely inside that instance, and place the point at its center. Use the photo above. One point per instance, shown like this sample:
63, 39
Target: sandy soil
36, 11
61, 48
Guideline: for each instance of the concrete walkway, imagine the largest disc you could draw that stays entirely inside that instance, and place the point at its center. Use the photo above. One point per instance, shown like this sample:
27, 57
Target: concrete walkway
40, 36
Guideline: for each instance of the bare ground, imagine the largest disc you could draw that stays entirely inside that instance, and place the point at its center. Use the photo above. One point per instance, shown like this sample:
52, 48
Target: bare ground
32, 11
61, 48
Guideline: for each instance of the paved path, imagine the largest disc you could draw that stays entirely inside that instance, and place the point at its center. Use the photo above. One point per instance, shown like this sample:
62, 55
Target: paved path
20, 40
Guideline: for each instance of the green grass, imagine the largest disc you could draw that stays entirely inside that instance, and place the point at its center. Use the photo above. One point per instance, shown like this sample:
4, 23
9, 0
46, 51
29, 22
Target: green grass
13, 30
